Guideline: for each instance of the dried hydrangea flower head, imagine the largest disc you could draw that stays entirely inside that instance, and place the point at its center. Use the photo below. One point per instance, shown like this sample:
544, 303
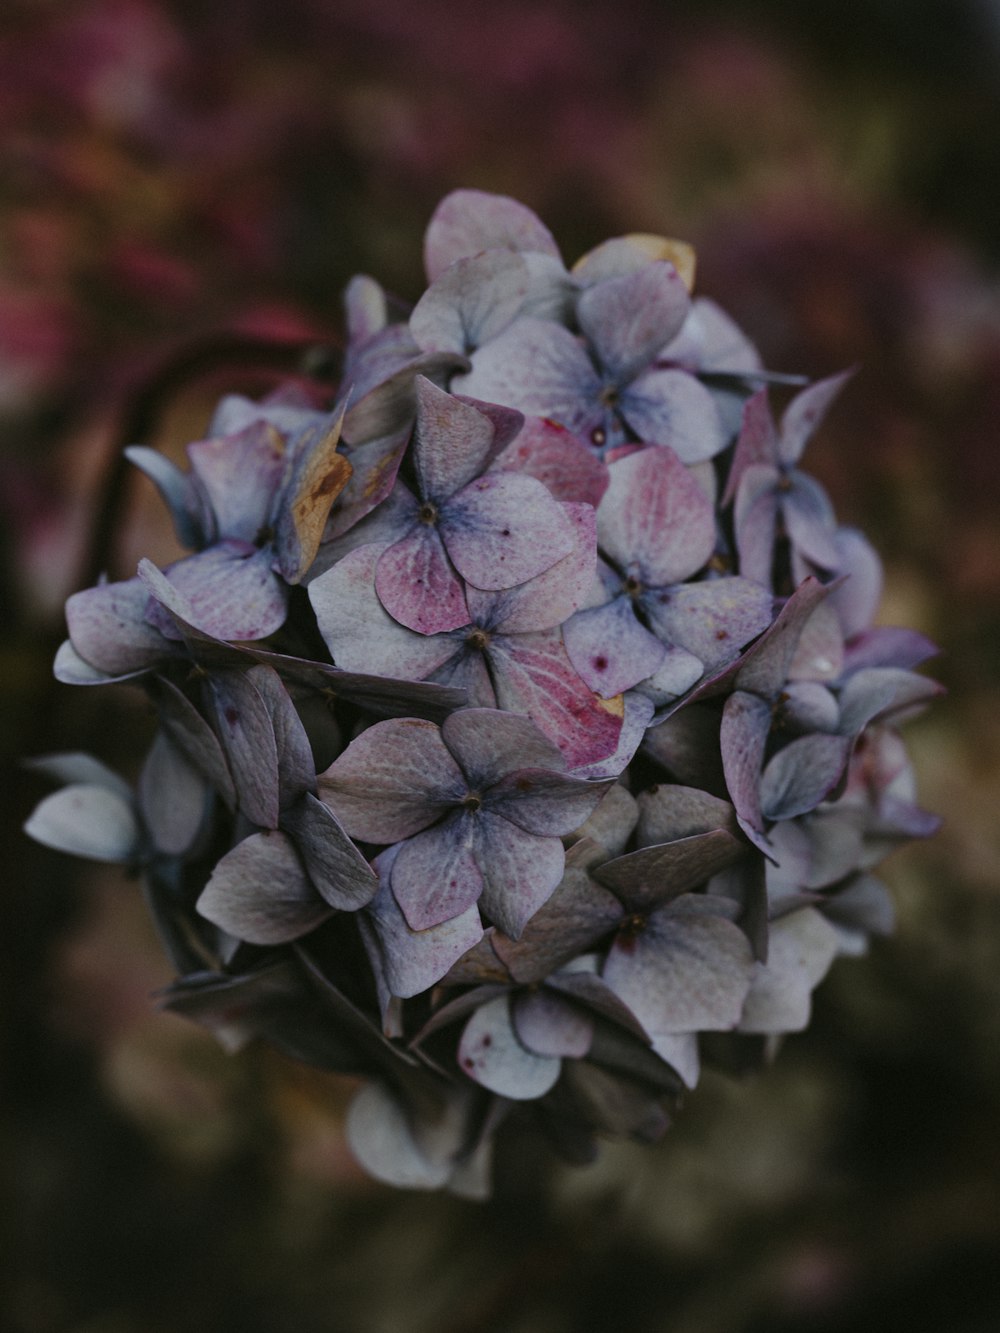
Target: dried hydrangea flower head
601, 753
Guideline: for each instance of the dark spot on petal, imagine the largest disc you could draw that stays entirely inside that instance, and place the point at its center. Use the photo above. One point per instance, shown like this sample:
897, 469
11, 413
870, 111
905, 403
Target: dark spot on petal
469, 1063
505, 533
232, 716
487, 1039
523, 784
722, 634
600, 664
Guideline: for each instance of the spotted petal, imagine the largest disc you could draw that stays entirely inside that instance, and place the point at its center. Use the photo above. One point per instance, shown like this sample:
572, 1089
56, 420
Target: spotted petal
490, 1052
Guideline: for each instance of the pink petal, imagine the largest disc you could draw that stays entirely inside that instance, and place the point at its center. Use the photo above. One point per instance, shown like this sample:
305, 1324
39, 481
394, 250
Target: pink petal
417, 585
628, 319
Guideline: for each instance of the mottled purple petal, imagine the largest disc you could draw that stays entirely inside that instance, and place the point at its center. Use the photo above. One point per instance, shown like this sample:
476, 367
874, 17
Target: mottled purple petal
392, 781
228, 590
746, 722
192, 734
505, 528
629, 318
669, 811
713, 620
467, 221
245, 729
801, 775
765, 666
452, 442
187, 504
876, 691
802, 947
550, 597
654, 518
888, 645
857, 597
260, 892
360, 633
610, 650
755, 522
488, 745
819, 653
240, 474
567, 467
490, 1053
806, 705
549, 1025
534, 676
417, 585
637, 716
374, 466
538, 801
671, 407
678, 671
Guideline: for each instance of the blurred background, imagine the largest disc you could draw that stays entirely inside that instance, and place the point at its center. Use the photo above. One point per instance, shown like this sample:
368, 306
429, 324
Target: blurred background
185, 189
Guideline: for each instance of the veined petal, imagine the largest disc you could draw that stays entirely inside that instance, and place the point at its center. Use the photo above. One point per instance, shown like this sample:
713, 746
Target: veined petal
340, 874
802, 774
435, 875
541, 369
488, 745
567, 466
240, 474
108, 628
629, 318
260, 892
713, 620
538, 801
229, 592
672, 407
532, 674
451, 442
471, 302
810, 521
756, 445
655, 518
503, 529
746, 722
520, 871
755, 520
316, 475
360, 633
417, 585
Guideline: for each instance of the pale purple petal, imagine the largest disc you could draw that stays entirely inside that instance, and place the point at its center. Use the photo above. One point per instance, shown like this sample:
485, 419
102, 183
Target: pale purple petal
341, 875
392, 781
710, 340
888, 645
610, 650
471, 302
678, 671
541, 369
435, 875
682, 973
383, 398
856, 599
765, 666
801, 775
417, 585
746, 722
533, 675
490, 1053
876, 691
360, 633
680, 1050
805, 412
550, 597
669, 811
687, 745
467, 221
806, 705
229, 591
655, 520
468, 670
673, 408
240, 474
802, 947
192, 734
380, 1136
296, 769
520, 871
713, 620
613, 820
71, 669
85, 820
259, 892
809, 520
549, 1025
629, 318
108, 628
819, 653
505, 528
538, 801
188, 507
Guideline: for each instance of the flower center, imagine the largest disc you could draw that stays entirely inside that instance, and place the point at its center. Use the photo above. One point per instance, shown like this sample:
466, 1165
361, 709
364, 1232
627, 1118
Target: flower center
477, 638
427, 513
632, 586
473, 802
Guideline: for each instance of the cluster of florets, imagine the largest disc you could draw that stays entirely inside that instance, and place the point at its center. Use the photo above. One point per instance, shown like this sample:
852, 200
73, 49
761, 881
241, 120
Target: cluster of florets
521, 718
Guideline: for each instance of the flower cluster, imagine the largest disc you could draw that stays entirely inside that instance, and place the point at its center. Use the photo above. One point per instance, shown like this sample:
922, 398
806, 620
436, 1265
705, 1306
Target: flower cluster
521, 715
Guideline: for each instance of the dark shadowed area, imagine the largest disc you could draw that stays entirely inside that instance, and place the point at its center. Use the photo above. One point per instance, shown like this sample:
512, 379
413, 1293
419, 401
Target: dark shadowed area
186, 188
